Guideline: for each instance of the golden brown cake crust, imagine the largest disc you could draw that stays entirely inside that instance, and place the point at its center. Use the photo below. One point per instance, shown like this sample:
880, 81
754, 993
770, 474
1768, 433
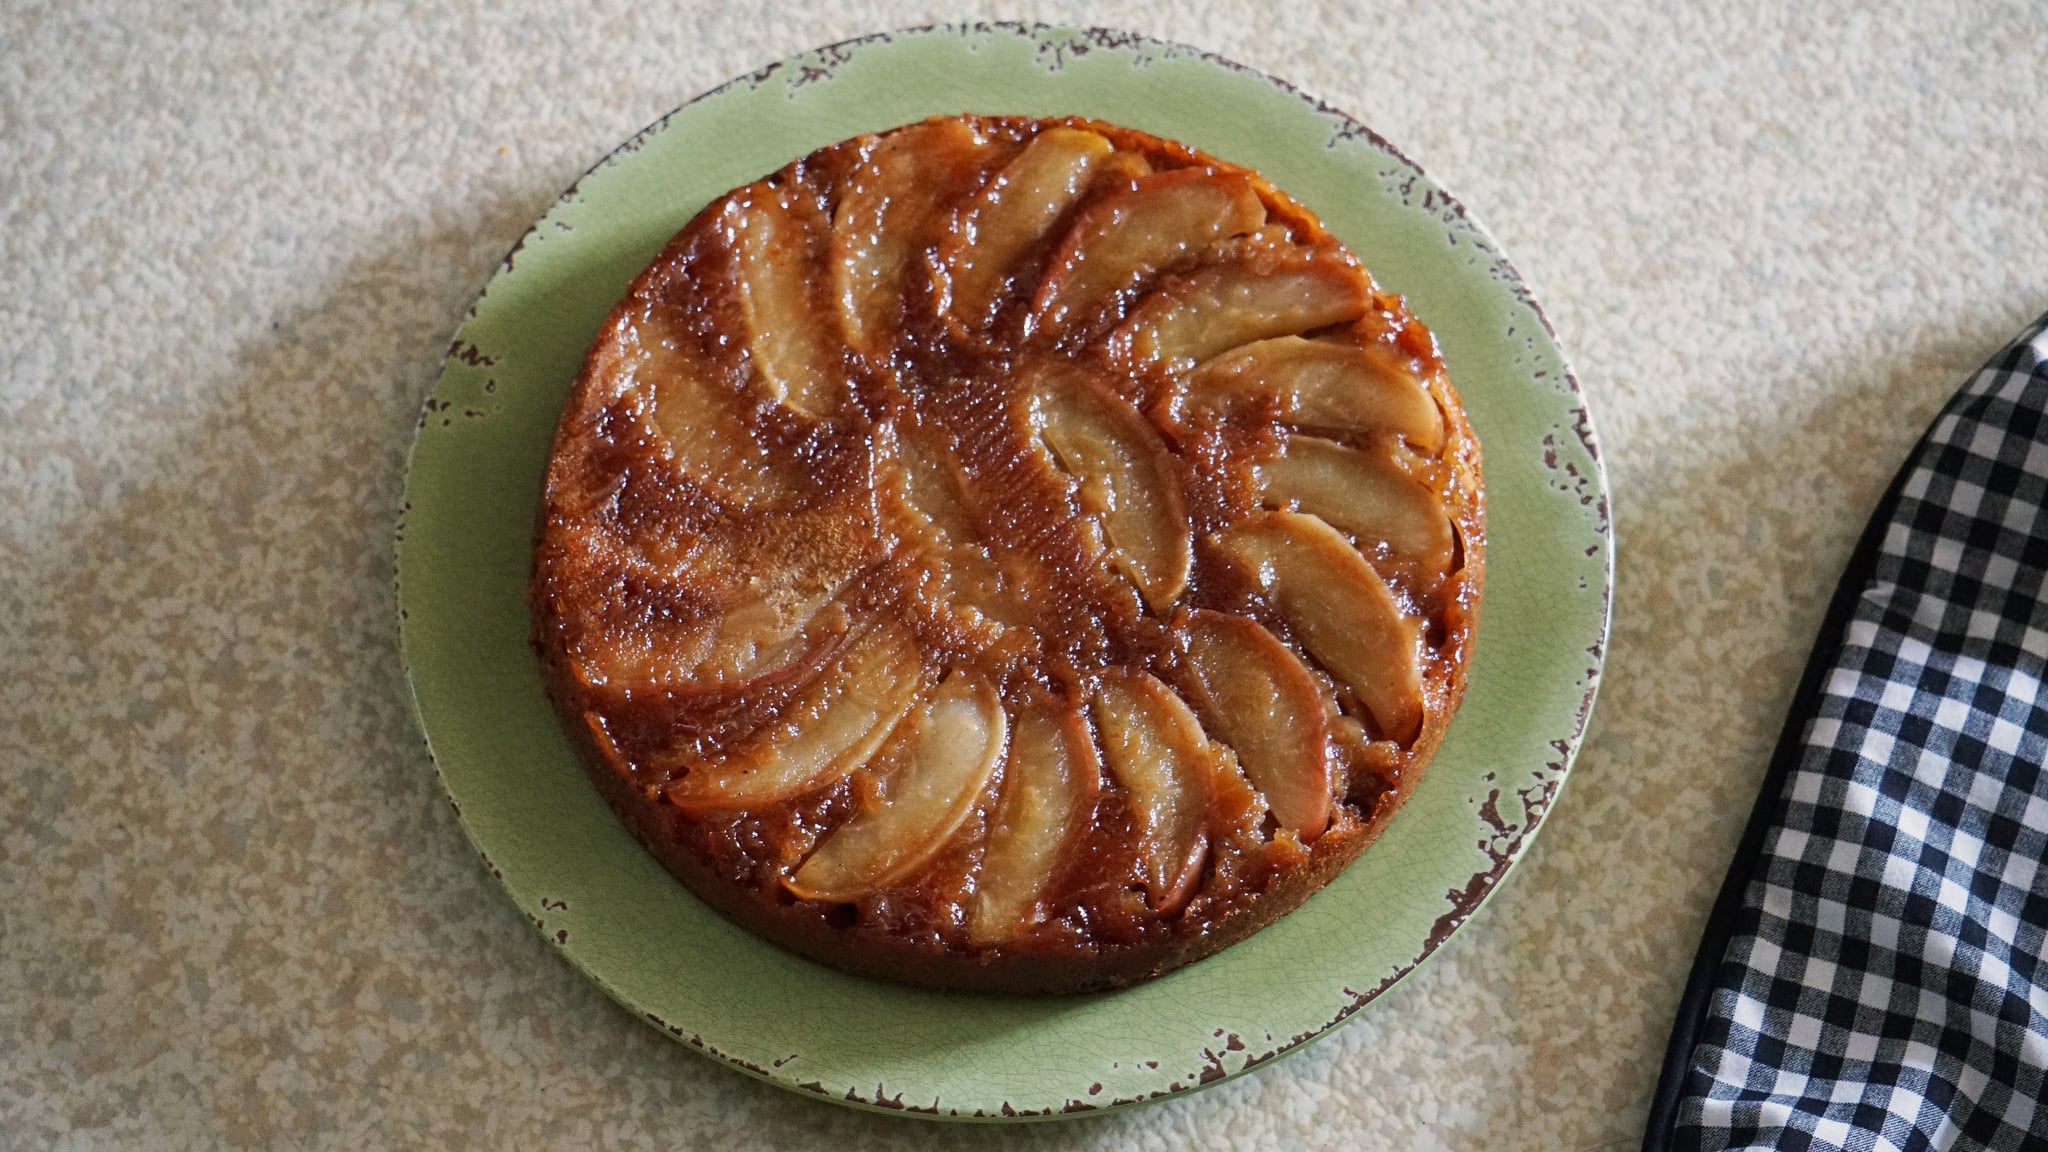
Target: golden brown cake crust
843, 441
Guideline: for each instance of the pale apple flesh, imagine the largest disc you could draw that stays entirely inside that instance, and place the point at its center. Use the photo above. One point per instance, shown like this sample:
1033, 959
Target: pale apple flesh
1050, 782
782, 241
1124, 239
1164, 763
929, 510
1017, 210
1120, 170
1259, 699
1319, 384
930, 775
1365, 493
833, 727
755, 633
1125, 477
1224, 305
894, 206
759, 638
701, 410
1339, 606
768, 634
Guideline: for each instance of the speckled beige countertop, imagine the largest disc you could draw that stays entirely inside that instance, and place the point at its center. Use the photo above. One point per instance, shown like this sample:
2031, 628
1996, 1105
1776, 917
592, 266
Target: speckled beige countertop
233, 245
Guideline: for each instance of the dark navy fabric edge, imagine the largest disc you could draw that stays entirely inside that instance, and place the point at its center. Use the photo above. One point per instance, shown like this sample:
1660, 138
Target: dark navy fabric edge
1660, 1133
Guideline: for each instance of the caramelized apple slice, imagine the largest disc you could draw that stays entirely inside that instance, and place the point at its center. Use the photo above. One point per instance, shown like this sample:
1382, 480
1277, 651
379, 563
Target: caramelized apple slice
782, 238
1119, 170
1265, 294
1364, 493
929, 508
1164, 762
1126, 238
1126, 477
1050, 783
1322, 384
768, 632
759, 637
891, 211
700, 409
935, 770
1340, 608
1260, 700
1012, 214
829, 730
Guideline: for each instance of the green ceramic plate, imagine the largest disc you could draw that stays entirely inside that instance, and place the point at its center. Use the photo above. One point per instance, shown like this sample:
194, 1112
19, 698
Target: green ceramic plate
474, 484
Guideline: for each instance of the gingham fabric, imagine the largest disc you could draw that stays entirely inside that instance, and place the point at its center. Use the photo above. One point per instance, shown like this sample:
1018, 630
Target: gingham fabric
1873, 977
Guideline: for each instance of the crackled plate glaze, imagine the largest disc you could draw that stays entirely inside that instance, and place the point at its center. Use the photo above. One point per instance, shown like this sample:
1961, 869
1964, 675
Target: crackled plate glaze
465, 540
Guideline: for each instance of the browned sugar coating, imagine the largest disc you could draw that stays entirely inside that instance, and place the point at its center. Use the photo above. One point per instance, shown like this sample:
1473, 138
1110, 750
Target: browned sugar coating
1010, 554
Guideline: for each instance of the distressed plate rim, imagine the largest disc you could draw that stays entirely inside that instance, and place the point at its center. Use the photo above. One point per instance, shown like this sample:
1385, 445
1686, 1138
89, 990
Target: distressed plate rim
1509, 839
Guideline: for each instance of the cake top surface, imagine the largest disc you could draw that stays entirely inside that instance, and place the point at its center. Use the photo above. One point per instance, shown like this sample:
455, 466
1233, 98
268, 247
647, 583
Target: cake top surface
999, 498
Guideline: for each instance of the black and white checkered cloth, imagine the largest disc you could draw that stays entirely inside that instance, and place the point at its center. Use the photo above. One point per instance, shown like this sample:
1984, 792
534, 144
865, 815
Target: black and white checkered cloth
1873, 976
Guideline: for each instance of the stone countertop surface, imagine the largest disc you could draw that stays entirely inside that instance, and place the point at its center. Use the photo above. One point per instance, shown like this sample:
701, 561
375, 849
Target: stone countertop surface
234, 244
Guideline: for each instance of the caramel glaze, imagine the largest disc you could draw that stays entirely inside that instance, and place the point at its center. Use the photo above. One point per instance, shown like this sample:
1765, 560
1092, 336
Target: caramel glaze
639, 560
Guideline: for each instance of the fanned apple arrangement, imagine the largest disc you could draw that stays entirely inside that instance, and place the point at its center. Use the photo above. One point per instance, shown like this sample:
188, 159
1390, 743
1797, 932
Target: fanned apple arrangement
1010, 554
